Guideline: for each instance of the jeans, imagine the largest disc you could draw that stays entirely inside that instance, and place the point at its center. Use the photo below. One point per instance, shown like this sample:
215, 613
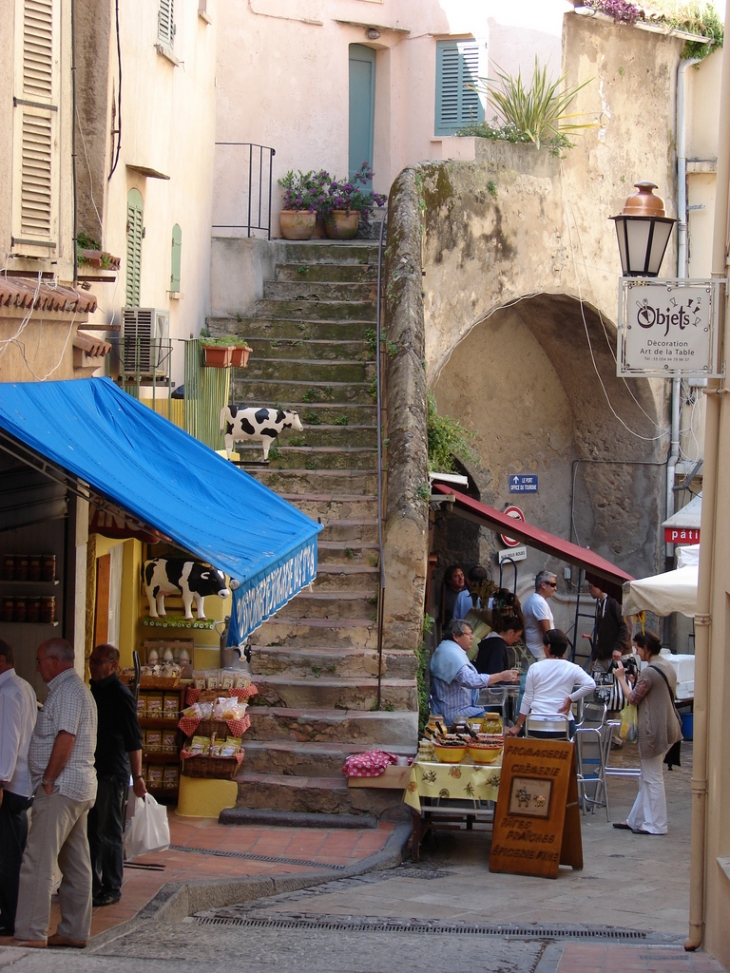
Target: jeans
13, 835
106, 836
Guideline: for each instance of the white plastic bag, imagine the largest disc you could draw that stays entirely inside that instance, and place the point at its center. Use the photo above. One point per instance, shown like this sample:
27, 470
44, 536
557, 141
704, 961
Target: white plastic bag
147, 830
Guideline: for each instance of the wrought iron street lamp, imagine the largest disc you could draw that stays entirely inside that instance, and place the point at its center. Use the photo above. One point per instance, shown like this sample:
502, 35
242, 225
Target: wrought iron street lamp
643, 230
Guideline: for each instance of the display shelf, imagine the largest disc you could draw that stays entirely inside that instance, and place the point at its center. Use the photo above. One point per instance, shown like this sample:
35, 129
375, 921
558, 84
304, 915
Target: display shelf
170, 621
25, 624
34, 584
158, 722
156, 757
163, 758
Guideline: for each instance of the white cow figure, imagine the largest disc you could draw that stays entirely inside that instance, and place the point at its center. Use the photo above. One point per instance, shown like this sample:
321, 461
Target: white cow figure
263, 424
176, 576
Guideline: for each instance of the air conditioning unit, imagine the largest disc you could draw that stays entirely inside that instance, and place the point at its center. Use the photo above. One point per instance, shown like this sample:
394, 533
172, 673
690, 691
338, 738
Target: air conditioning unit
145, 341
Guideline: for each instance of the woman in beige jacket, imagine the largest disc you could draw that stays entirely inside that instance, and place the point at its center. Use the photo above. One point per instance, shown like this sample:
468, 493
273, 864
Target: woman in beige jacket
653, 695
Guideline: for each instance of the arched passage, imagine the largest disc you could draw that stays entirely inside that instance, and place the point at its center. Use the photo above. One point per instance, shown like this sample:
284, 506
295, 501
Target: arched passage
537, 383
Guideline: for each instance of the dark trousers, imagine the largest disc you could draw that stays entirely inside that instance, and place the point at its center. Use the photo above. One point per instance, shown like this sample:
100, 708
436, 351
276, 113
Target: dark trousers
13, 834
106, 837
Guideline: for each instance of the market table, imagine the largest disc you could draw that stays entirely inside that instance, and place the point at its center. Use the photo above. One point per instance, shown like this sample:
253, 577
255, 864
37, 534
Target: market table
450, 795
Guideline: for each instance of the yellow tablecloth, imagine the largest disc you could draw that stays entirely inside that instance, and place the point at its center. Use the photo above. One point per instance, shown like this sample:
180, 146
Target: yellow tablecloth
466, 782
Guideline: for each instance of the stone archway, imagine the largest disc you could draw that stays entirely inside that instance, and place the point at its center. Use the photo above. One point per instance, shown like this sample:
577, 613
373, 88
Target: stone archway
536, 381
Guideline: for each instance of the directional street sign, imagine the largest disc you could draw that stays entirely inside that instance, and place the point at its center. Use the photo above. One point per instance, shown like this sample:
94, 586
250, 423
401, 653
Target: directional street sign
523, 483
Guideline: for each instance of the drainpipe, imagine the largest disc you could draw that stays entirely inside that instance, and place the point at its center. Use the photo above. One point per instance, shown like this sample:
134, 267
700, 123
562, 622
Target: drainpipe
674, 449
703, 620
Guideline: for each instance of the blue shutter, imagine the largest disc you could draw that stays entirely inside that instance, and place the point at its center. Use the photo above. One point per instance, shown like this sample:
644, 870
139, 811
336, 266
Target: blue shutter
176, 257
457, 64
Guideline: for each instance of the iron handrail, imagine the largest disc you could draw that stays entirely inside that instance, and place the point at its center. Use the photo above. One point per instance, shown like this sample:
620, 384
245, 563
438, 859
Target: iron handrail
249, 226
379, 407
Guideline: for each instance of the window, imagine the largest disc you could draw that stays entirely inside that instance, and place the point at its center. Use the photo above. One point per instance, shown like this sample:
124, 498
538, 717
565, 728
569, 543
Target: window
166, 22
176, 257
35, 137
457, 65
134, 247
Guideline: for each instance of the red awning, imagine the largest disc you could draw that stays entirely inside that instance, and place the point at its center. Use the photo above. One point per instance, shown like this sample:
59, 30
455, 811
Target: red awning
481, 513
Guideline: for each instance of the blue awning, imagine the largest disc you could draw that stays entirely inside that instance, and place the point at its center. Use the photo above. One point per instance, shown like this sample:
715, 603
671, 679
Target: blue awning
172, 482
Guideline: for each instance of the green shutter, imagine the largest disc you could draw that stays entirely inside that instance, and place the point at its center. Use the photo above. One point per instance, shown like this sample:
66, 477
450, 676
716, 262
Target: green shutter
176, 255
457, 64
134, 247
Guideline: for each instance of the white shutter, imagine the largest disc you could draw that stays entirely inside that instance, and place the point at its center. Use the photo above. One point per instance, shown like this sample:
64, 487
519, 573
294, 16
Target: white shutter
166, 22
35, 131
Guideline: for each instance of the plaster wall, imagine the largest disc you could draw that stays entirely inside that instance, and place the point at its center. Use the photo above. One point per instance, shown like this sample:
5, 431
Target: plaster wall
294, 56
39, 349
168, 118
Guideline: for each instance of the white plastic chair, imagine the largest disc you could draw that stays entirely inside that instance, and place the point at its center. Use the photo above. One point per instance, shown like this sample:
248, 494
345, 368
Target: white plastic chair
555, 727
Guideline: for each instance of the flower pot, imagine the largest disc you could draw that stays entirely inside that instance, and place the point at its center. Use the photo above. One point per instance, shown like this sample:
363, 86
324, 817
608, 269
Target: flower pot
341, 224
217, 356
297, 224
240, 356
320, 232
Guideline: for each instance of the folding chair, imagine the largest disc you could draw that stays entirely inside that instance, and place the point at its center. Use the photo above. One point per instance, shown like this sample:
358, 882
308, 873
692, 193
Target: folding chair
592, 715
592, 749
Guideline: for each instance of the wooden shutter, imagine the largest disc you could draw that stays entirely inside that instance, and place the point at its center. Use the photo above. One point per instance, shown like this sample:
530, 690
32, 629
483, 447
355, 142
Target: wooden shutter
166, 22
175, 259
36, 197
457, 64
134, 247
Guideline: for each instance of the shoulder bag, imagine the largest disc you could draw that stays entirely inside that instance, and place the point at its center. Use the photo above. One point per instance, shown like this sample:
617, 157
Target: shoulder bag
674, 729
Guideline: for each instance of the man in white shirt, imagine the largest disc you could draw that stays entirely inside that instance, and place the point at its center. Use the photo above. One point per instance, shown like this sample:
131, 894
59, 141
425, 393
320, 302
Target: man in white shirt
537, 614
18, 711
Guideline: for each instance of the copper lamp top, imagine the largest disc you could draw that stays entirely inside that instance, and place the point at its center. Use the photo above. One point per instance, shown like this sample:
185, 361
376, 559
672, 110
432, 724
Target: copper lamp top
644, 203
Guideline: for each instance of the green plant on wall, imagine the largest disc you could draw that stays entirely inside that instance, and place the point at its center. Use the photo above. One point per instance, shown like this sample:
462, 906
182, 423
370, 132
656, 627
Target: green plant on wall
422, 675
447, 439
537, 113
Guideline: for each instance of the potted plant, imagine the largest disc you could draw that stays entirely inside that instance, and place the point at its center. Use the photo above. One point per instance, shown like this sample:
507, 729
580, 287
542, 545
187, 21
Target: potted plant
346, 204
224, 351
300, 202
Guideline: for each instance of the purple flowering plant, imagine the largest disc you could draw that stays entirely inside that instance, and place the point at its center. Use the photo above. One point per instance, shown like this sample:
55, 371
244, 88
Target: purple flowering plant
304, 190
353, 195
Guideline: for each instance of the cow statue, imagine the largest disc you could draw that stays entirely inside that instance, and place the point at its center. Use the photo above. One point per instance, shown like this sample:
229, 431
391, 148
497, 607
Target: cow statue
251, 423
176, 576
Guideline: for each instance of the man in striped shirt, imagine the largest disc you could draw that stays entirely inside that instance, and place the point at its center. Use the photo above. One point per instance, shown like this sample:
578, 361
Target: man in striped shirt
61, 764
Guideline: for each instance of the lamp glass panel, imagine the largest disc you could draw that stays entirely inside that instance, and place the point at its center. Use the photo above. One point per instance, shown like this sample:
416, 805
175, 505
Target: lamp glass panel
662, 232
637, 238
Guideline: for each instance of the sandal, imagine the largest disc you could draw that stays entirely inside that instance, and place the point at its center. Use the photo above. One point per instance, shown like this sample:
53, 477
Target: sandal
622, 826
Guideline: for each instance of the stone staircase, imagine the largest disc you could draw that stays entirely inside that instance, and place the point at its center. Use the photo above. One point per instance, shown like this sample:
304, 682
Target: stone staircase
316, 662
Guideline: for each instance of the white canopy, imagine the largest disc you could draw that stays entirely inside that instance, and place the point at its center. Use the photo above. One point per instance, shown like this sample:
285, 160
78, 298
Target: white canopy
673, 591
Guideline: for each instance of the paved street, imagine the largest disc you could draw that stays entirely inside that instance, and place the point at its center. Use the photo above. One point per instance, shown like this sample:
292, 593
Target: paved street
625, 911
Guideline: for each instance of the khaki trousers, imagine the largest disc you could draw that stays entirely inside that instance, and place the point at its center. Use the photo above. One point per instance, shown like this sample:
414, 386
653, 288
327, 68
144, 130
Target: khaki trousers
57, 836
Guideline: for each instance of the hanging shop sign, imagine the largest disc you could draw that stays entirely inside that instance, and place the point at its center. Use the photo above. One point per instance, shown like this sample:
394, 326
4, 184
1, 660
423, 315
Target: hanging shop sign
668, 327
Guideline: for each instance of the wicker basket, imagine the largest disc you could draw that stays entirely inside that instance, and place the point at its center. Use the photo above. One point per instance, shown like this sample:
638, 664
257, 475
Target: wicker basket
159, 682
220, 768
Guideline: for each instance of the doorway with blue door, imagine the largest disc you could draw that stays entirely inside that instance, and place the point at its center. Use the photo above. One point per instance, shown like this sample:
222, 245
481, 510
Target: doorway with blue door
362, 107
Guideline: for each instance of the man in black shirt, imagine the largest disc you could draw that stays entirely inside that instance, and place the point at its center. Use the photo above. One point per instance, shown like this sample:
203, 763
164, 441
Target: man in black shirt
611, 635
118, 753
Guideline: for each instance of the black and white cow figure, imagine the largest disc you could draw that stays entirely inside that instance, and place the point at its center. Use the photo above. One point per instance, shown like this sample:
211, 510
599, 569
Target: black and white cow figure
240, 424
176, 576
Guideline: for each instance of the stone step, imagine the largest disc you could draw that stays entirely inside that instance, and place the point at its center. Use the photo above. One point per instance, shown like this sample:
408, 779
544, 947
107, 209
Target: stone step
335, 506
325, 692
312, 349
319, 310
345, 602
257, 328
352, 576
369, 729
305, 370
361, 252
326, 272
304, 759
358, 633
301, 482
322, 457
342, 661
319, 290
345, 553
350, 530
274, 392
323, 414
340, 435
323, 795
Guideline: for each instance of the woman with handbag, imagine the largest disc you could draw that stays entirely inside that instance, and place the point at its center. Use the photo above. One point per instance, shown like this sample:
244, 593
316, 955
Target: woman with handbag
659, 727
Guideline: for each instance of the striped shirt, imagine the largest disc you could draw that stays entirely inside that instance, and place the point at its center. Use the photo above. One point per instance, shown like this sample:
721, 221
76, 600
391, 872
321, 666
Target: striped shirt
69, 707
460, 696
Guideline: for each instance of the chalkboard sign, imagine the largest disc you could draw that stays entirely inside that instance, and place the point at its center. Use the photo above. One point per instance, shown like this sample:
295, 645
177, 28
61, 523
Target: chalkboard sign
537, 821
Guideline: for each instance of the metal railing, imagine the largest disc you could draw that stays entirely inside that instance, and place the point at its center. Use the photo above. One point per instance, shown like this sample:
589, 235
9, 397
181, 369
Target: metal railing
380, 417
254, 203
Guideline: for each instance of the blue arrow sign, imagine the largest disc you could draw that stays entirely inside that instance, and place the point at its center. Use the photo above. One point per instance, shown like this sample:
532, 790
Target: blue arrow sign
523, 483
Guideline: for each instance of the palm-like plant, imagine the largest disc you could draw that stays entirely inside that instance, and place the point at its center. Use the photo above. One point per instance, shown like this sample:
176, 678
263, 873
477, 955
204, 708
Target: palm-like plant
538, 112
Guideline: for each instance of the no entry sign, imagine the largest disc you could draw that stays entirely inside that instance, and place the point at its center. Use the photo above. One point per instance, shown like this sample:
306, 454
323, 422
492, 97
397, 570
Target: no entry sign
516, 514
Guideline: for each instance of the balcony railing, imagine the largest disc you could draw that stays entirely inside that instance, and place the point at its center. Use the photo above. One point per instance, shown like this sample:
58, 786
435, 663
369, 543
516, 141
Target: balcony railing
248, 168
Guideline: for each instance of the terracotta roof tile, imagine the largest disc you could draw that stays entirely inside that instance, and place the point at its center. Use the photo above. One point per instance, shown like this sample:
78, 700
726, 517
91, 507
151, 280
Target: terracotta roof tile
27, 292
95, 347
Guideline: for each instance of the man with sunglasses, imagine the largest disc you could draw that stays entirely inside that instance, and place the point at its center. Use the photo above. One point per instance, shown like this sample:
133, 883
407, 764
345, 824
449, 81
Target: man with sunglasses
537, 614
